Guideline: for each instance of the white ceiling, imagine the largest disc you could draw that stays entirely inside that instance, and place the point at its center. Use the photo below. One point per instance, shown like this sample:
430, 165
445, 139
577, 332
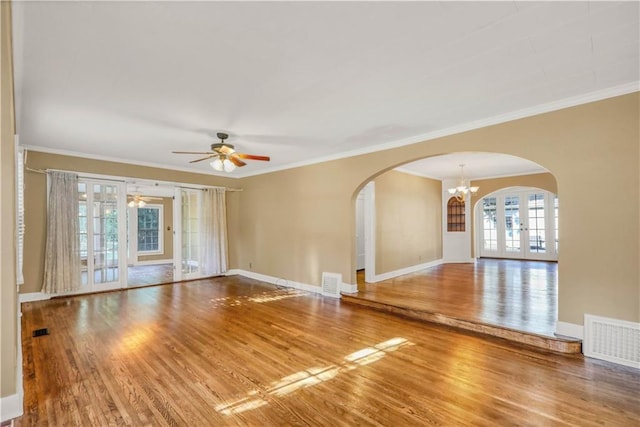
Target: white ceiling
303, 81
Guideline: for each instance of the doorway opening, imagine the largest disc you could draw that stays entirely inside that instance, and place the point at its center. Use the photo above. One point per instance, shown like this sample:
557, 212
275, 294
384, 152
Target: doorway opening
150, 212
518, 223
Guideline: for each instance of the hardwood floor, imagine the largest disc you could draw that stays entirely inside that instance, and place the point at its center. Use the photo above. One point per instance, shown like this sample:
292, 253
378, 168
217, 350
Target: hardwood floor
234, 351
144, 275
520, 295
514, 300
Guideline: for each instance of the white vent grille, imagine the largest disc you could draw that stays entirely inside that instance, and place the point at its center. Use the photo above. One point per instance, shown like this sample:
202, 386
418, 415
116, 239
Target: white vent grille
331, 283
614, 340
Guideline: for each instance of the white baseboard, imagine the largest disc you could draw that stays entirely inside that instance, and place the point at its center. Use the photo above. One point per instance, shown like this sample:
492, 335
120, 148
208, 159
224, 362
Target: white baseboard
406, 270
279, 281
33, 296
570, 330
154, 262
10, 407
459, 261
349, 289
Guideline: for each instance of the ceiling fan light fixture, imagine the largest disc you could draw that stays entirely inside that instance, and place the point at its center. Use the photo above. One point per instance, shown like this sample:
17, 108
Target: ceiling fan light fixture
141, 203
228, 165
216, 164
131, 203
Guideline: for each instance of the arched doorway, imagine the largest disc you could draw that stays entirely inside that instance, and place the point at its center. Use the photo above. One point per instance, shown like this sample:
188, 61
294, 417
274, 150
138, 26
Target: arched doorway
517, 223
496, 292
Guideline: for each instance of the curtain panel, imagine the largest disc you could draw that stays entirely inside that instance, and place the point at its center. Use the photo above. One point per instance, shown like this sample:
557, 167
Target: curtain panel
62, 257
214, 232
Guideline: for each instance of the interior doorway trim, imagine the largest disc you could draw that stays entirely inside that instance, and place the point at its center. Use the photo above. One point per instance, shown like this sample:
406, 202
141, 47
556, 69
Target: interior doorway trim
370, 232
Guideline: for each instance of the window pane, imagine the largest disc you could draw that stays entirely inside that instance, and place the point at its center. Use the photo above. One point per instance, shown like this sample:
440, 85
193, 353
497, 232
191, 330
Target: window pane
489, 224
148, 229
512, 223
536, 223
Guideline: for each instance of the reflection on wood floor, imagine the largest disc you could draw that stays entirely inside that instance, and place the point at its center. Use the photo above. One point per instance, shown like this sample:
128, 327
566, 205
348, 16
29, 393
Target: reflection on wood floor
145, 275
508, 294
235, 351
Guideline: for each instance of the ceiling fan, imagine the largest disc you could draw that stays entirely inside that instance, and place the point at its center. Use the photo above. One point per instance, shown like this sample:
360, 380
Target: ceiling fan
136, 200
224, 156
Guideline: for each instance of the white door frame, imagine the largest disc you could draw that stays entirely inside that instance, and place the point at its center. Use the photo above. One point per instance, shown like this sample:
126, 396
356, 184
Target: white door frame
525, 253
177, 235
121, 206
369, 206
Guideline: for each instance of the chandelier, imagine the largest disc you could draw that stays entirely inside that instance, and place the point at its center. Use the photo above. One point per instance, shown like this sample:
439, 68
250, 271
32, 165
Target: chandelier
462, 189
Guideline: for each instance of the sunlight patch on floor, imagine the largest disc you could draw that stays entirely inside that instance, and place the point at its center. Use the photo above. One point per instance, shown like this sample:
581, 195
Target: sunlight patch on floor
313, 376
266, 296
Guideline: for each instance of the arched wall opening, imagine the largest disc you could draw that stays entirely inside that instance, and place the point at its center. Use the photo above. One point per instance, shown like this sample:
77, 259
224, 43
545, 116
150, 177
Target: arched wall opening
428, 177
297, 223
410, 199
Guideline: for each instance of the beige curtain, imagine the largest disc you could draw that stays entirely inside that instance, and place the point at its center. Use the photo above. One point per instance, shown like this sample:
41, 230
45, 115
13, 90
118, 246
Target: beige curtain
62, 258
214, 232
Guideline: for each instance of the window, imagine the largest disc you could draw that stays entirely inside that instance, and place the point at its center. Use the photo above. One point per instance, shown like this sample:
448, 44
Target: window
150, 229
455, 215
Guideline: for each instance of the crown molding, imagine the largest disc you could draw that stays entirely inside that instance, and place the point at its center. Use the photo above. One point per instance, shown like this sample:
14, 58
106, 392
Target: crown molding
465, 127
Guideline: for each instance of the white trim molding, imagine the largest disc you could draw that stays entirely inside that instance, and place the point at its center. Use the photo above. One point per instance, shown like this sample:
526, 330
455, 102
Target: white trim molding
349, 289
279, 281
403, 271
460, 261
33, 296
570, 330
152, 262
10, 407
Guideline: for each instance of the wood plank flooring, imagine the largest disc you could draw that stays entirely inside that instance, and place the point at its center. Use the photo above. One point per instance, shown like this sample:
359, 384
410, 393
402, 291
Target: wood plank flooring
145, 275
234, 351
519, 295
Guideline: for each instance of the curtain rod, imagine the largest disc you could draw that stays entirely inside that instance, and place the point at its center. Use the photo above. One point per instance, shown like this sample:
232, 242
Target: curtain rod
46, 172
206, 188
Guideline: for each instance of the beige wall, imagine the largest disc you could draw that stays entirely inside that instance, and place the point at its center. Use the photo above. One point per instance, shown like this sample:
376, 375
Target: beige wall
8, 296
297, 223
544, 181
300, 222
35, 200
408, 221
167, 223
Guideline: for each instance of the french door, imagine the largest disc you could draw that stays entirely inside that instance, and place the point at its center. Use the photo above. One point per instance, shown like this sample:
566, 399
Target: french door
521, 224
102, 235
186, 239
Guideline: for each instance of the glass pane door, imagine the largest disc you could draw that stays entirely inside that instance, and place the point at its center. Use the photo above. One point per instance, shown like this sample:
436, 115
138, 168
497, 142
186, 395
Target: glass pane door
99, 234
489, 227
105, 233
520, 223
190, 235
512, 225
536, 224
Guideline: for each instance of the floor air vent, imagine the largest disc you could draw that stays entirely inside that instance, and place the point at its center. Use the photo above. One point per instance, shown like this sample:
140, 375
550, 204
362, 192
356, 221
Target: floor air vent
331, 283
40, 332
614, 340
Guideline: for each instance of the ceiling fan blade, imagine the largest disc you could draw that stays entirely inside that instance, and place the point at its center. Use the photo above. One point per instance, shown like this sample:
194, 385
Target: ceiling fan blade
192, 152
253, 157
204, 158
236, 161
146, 198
